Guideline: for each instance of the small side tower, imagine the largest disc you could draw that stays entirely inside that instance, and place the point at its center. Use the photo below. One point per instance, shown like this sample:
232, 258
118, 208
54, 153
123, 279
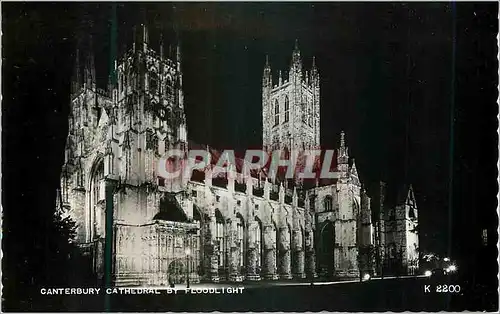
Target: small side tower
407, 235
399, 235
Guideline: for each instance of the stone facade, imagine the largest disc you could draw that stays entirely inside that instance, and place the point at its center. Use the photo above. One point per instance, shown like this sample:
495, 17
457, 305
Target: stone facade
203, 229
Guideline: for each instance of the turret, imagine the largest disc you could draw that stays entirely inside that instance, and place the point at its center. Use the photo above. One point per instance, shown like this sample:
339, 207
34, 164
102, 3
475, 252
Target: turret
161, 46
89, 72
76, 81
307, 201
249, 183
145, 37
281, 193
267, 77
353, 170
296, 66
110, 86
343, 155
266, 105
314, 76
314, 81
267, 188
230, 178
178, 56
296, 60
141, 38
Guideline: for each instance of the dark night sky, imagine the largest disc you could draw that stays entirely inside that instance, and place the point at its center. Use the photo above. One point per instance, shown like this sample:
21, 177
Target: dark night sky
379, 64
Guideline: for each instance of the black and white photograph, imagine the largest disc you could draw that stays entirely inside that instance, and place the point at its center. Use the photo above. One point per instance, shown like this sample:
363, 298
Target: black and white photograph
249, 156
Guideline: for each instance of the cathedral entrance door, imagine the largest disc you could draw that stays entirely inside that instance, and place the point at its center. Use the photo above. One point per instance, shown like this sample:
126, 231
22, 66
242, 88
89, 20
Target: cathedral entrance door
176, 272
326, 250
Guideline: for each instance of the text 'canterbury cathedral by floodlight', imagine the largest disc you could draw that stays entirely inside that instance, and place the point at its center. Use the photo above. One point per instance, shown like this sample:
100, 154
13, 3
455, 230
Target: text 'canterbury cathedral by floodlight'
212, 228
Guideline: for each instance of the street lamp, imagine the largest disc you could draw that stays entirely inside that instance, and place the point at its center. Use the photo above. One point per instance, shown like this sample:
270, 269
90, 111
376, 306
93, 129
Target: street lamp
188, 252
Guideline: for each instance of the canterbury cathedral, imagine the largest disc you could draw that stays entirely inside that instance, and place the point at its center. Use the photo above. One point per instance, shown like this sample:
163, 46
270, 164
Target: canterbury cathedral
139, 229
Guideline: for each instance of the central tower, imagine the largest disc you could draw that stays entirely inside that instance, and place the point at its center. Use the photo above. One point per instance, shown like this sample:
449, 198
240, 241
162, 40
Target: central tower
290, 108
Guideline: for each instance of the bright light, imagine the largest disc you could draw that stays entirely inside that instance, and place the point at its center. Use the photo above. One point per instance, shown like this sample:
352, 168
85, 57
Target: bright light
428, 273
188, 251
446, 259
452, 268
366, 277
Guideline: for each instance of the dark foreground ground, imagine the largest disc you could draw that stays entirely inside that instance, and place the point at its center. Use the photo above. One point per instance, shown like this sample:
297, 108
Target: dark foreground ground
376, 295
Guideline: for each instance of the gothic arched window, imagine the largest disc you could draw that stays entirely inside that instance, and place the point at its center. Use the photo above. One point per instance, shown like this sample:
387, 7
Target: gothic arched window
287, 109
276, 113
328, 203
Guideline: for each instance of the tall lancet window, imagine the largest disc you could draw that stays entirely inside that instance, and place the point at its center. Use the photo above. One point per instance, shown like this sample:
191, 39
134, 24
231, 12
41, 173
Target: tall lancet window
276, 113
287, 109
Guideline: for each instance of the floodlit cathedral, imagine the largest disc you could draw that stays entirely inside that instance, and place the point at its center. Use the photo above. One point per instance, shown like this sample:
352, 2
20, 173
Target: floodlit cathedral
139, 230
